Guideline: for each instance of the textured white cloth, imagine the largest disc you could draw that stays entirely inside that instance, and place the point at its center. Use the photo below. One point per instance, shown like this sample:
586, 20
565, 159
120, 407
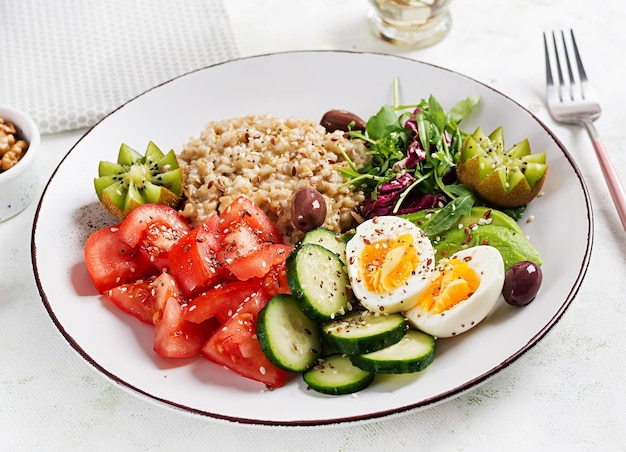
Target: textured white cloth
70, 62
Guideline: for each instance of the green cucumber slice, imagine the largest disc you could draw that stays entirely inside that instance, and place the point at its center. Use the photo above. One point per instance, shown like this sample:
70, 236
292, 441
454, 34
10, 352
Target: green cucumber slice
364, 332
414, 352
328, 239
336, 375
289, 339
319, 282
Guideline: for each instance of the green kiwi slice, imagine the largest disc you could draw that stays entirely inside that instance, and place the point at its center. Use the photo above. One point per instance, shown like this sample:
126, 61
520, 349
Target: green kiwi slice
137, 179
505, 178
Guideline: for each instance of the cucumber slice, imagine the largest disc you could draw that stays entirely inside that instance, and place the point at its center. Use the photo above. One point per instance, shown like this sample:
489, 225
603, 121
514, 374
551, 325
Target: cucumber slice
364, 332
328, 239
289, 339
336, 375
414, 352
319, 282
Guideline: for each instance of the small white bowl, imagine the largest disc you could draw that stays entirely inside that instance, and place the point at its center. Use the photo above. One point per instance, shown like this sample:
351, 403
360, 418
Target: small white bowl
18, 185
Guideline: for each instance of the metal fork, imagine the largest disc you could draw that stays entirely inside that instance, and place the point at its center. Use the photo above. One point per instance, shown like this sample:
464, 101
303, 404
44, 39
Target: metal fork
573, 101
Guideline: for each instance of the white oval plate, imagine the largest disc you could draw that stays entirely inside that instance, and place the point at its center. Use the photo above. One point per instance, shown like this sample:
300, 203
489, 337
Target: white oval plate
305, 85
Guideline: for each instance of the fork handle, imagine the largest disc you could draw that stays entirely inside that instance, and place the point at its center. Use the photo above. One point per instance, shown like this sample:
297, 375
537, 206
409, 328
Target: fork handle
610, 174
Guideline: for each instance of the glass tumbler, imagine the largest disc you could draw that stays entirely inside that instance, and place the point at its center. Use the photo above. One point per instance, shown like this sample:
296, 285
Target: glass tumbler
410, 23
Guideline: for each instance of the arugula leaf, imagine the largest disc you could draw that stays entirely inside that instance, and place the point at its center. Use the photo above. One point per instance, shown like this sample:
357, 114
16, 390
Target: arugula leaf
463, 108
449, 214
459, 190
436, 114
382, 123
422, 140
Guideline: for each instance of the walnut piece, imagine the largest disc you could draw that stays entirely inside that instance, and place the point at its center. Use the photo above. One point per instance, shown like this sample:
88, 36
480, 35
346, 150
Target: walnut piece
11, 148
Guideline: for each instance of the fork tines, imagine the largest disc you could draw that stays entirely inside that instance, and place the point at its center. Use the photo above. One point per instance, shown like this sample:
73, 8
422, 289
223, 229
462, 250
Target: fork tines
576, 86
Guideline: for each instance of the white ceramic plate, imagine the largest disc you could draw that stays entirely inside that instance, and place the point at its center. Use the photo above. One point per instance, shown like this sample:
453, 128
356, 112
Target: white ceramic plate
306, 85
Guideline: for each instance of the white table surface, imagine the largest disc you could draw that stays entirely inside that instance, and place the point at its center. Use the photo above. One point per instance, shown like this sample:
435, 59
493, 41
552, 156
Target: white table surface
567, 393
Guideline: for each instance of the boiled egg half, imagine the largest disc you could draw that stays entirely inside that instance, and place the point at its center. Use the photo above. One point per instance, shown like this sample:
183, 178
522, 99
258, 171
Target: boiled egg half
463, 290
390, 261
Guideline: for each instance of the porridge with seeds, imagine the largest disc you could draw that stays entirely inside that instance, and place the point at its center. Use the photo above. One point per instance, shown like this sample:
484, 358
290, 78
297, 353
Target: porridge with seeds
268, 159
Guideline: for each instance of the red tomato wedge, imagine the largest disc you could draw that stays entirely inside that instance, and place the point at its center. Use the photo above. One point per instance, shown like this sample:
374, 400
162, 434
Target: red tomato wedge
221, 301
111, 262
163, 223
162, 289
235, 346
175, 337
275, 281
193, 259
244, 228
243, 211
154, 228
134, 298
156, 301
258, 263
237, 241
145, 298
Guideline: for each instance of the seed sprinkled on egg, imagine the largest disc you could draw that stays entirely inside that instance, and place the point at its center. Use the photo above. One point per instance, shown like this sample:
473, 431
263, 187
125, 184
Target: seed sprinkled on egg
389, 262
462, 291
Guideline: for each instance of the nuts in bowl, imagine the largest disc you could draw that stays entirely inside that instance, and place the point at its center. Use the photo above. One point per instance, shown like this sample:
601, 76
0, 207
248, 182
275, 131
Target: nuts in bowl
19, 141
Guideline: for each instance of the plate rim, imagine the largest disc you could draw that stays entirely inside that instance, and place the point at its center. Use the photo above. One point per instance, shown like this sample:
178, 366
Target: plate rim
369, 417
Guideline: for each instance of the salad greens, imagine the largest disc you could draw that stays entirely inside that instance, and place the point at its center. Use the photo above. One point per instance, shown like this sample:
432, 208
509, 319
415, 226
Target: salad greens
414, 150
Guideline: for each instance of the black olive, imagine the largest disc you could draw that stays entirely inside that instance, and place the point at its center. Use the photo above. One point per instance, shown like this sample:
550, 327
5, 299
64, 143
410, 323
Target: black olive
341, 120
308, 209
521, 283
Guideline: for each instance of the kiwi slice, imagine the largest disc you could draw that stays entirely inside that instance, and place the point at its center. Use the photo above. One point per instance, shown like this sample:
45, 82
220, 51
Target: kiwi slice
504, 178
137, 179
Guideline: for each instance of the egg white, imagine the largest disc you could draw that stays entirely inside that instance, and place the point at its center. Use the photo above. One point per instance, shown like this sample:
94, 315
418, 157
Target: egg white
487, 262
385, 228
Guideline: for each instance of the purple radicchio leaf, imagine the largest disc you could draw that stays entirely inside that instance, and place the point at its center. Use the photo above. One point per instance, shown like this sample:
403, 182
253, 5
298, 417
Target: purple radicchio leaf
389, 194
421, 202
414, 155
382, 205
397, 185
387, 197
411, 123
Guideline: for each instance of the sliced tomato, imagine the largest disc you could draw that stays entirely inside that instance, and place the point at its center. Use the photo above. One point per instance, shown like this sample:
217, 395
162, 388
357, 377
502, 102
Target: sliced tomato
162, 289
154, 216
258, 263
220, 301
243, 211
223, 300
154, 228
235, 346
110, 261
134, 298
124, 262
175, 337
237, 240
275, 281
244, 229
193, 259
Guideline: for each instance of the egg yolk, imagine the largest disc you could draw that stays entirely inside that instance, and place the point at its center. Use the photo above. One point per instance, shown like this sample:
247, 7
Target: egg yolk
387, 264
456, 282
